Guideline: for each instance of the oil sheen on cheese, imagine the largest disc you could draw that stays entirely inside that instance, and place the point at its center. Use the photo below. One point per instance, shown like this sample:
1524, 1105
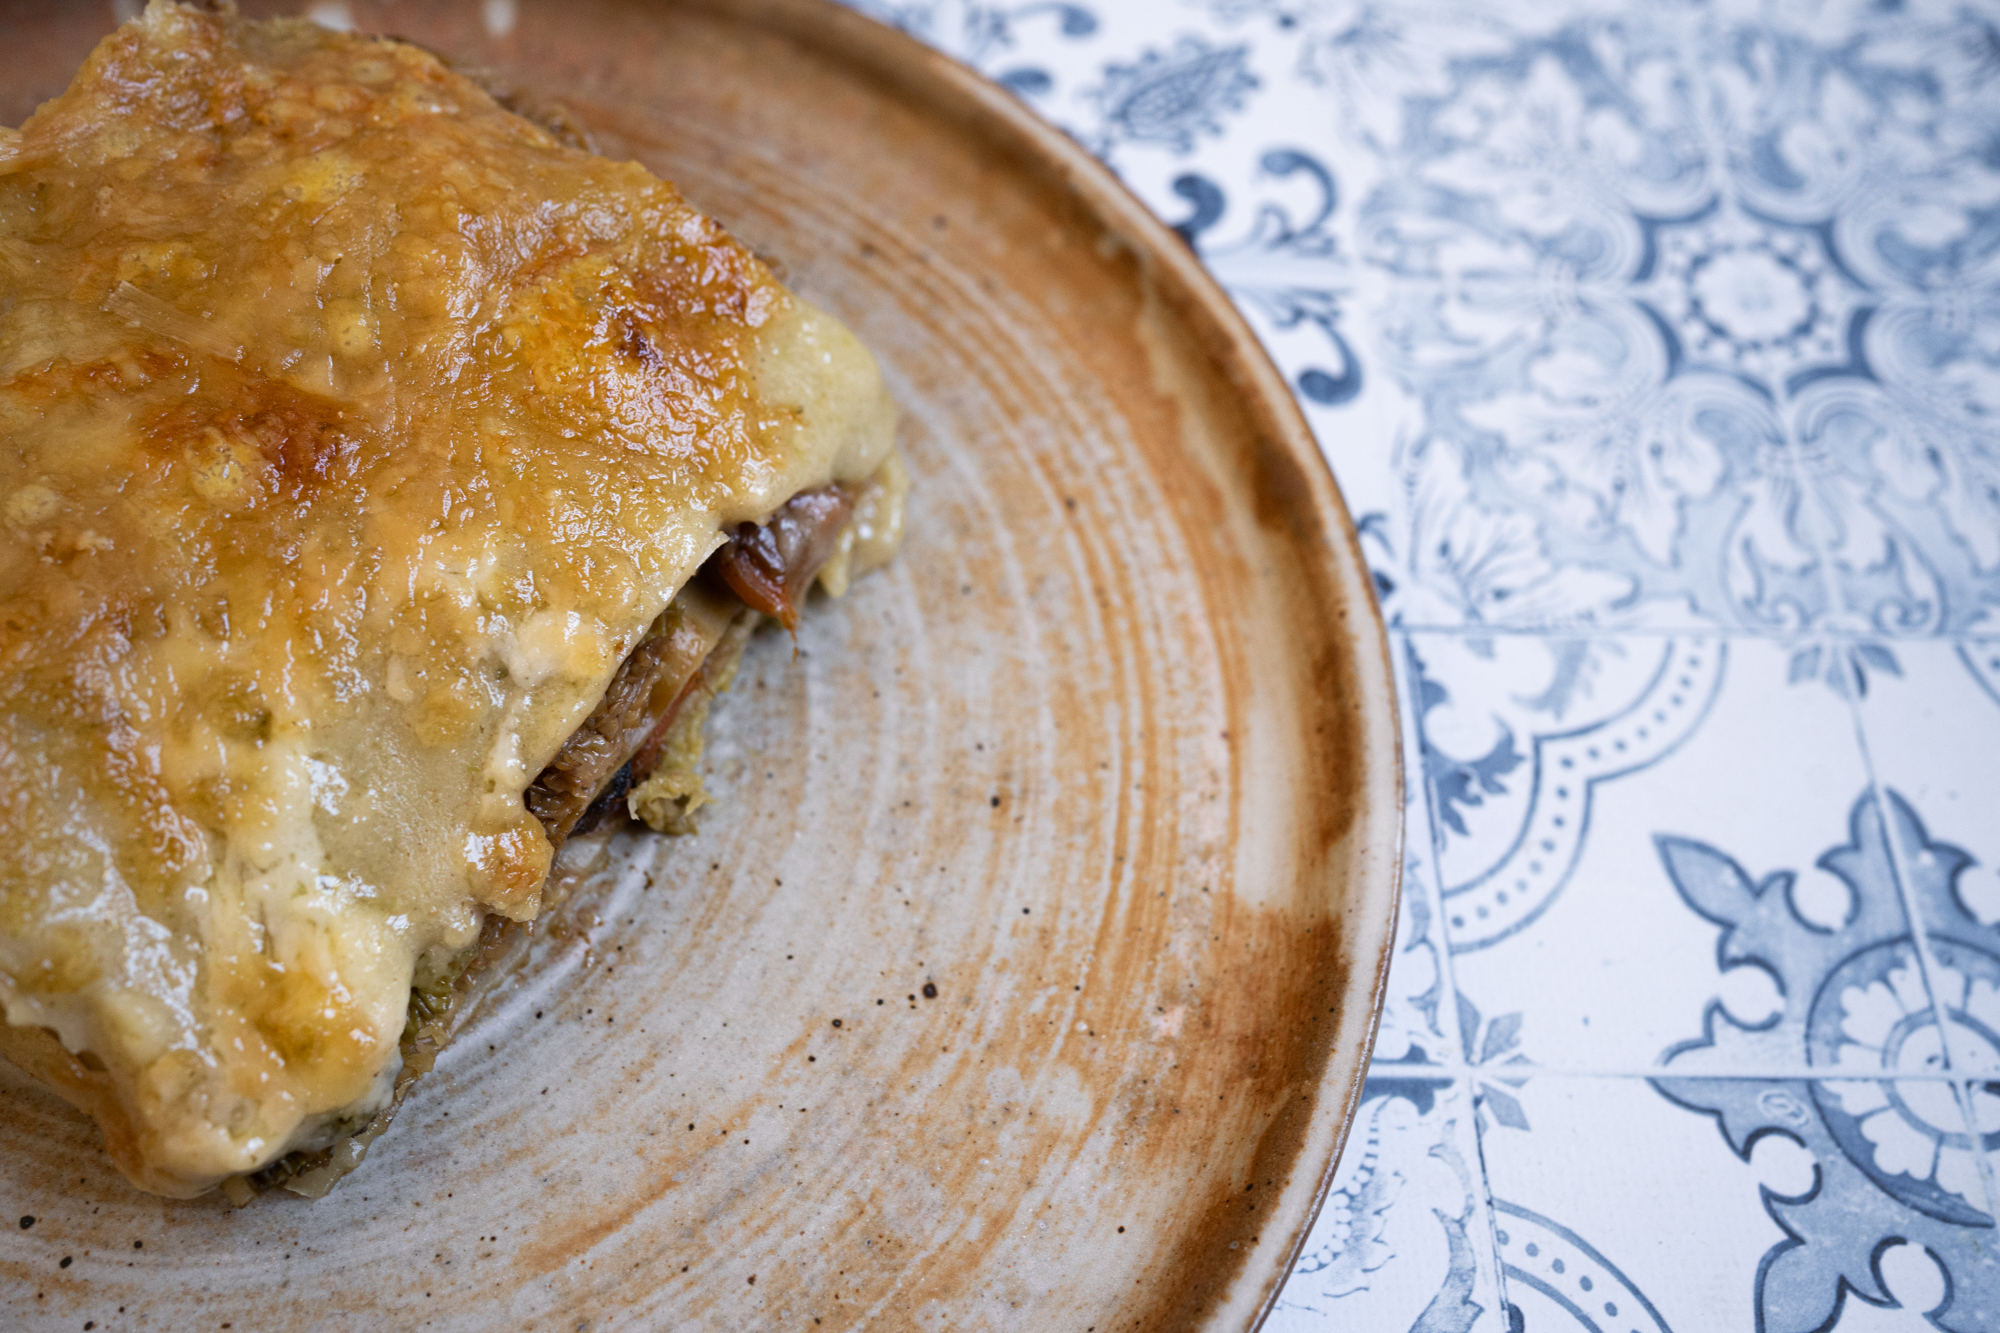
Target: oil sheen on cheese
352, 429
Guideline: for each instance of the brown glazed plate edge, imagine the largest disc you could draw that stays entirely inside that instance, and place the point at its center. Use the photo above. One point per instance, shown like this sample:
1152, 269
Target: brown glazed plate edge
1181, 279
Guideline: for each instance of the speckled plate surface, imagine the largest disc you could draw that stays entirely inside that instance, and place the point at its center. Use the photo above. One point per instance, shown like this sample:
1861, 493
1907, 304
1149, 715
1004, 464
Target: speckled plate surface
1107, 761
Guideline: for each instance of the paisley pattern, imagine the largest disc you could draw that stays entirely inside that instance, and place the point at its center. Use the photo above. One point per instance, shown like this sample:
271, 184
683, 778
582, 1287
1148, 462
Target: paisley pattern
1656, 348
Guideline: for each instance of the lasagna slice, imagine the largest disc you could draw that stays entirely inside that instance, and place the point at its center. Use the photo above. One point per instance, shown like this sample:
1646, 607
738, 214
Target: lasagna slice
387, 485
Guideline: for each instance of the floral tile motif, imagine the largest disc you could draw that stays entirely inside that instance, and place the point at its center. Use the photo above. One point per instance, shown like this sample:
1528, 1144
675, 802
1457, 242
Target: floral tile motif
1568, 305
1815, 1206
1652, 265
1405, 1238
1678, 316
1899, 457
1615, 955
1895, 1167
1207, 118
1657, 351
1982, 1114
1586, 1200
1932, 724
1852, 990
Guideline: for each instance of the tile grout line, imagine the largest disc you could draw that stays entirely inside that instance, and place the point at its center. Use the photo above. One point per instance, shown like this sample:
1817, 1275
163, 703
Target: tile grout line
1492, 1210
1433, 888
1927, 964
1851, 688
1691, 40
1458, 1068
1447, 978
1832, 634
1962, 1092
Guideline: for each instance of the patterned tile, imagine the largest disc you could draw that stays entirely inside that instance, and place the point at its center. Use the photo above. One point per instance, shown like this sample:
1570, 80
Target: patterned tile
1405, 1238
1931, 716
1982, 1114
1894, 1214
1418, 1026
1784, 1206
1606, 808
1657, 351
1659, 266
1668, 315
1568, 306
1616, 1210
1896, 445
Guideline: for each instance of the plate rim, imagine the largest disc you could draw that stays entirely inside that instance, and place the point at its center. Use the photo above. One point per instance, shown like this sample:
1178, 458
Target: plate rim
1179, 277
1173, 272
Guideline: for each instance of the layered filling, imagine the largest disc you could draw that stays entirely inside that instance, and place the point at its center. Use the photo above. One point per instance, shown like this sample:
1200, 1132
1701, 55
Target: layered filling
357, 431
636, 758
631, 756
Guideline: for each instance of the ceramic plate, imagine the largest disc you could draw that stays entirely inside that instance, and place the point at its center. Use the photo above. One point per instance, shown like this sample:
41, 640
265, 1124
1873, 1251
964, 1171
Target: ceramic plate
1024, 973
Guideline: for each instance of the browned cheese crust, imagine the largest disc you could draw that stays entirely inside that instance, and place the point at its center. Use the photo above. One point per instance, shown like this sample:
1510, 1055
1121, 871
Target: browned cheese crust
353, 431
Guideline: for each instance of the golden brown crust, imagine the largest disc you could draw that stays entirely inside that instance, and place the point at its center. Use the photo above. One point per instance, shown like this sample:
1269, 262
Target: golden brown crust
354, 430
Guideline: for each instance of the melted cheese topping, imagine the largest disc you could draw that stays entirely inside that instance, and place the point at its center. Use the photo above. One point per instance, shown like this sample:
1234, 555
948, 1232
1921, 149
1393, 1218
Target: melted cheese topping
354, 429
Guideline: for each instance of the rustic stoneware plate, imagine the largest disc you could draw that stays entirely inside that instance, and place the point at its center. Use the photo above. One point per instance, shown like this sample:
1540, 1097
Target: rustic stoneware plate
1108, 761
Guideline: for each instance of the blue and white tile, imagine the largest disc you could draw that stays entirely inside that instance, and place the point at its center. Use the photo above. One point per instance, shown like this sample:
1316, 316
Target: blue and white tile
1681, 321
1931, 718
1883, 148
1982, 1115
1270, 216
1736, 1203
1931, 715
1891, 1227
1577, 295
1418, 1029
1405, 1238
1638, 278
1597, 801
1615, 1209
1593, 330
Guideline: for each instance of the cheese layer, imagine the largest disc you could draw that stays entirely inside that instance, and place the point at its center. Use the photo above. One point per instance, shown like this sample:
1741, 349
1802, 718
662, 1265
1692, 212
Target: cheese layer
352, 429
